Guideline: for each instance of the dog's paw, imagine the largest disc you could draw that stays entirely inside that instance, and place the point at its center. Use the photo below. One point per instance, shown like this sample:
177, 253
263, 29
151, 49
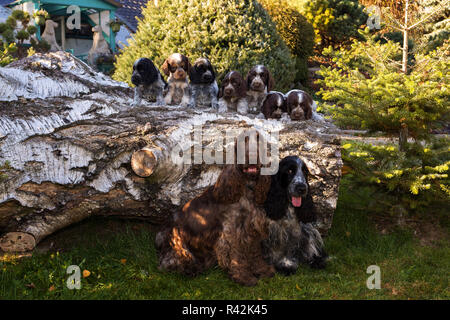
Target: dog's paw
319, 262
267, 271
287, 271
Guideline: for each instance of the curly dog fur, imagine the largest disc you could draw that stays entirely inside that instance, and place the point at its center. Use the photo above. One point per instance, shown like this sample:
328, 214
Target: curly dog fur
225, 224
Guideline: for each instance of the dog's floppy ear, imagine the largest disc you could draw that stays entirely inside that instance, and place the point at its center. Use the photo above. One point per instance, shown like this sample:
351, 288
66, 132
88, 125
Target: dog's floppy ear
309, 102
247, 80
220, 93
277, 200
228, 187
211, 68
262, 189
165, 67
150, 73
189, 65
192, 74
307, 212
243, 86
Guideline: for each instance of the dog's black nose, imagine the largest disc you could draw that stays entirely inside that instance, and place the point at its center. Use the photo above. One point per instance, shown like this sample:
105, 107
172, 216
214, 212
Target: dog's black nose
301, 187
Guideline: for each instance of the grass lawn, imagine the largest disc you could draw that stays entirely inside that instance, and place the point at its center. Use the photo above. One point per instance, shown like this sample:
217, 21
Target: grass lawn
122, 262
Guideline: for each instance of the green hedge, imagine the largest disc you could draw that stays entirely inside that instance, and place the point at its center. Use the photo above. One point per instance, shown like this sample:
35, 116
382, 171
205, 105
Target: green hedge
233, 34
296, 31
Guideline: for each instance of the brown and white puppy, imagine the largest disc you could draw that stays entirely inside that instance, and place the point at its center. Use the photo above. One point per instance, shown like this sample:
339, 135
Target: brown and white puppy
177, 67
259, 83
299, 105
232, 93
203, 84
274, 105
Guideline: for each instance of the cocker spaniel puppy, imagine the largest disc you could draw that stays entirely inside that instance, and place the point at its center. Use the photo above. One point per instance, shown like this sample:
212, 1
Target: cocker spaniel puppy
299, 105
259, 82
274, 105
203, 84
178, 92
292, 237
148, 81
232, 94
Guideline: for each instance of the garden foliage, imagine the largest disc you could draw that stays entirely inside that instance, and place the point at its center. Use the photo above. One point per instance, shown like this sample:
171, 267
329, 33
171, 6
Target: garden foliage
415, 179
234, 35
335, 21
296, 31
367, 89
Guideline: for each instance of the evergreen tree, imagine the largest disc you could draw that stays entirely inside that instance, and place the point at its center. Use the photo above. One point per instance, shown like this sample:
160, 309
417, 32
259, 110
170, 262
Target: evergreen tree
233, 34
335, 21
369, 90
296, 31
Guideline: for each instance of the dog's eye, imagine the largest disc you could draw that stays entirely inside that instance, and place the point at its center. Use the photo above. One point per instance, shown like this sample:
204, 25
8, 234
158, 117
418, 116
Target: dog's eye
290, 171
172, 68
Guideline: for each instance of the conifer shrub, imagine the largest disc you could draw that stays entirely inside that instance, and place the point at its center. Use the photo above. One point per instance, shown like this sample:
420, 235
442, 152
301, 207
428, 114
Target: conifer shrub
335, 21
414, 180
233, 34
367, 90
296, 31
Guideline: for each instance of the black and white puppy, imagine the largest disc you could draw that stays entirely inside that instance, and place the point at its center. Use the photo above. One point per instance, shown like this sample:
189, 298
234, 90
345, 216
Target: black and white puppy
259, 83
177, 92
148, 81
203, 84
289, 206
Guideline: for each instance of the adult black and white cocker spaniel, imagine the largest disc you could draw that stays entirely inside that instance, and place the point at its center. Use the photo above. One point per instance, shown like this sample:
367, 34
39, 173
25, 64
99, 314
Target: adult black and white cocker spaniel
289, 205
148, 81
203, 84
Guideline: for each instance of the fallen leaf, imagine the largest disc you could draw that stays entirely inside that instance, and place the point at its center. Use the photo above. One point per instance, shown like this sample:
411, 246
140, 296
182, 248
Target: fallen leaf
394, 291
347, 233
346, 169
298, 288
123, 261
86, 273
31, 286
52, 288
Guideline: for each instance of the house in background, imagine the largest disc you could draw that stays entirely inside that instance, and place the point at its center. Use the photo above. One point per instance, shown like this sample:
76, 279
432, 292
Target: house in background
128, 14
93, 12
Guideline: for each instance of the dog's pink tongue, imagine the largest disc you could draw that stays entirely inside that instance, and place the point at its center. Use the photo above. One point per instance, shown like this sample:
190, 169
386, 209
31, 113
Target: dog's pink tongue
296, 201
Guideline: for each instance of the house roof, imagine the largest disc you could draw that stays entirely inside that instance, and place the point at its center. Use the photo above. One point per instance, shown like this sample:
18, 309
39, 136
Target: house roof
5, 2
113, 3
130, 10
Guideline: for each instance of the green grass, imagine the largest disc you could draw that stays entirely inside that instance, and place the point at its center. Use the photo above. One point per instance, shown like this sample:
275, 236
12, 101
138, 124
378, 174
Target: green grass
408, 270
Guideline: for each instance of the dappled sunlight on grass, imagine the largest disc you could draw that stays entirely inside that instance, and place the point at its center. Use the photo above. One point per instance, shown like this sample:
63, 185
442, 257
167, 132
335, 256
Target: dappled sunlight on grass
123, 265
